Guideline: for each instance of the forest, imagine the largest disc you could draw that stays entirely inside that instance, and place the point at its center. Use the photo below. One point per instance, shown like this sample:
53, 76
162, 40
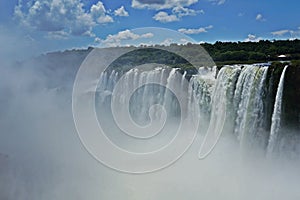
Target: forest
187, 56
261, 51
221, 53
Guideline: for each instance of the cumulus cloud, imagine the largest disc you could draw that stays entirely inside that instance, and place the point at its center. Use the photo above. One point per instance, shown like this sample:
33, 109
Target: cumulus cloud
252, 38
164, 17
116, 40
195, 31
58, 17
99, 13
259, 17
177, 13
121, 12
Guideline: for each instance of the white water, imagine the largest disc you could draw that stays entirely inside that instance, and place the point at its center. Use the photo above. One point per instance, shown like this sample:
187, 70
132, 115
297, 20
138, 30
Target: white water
219, 107
194, 93
248, 96
242, 97
276, 116
236, 95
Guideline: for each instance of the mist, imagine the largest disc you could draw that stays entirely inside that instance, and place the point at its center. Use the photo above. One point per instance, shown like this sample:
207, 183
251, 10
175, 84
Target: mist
41, 156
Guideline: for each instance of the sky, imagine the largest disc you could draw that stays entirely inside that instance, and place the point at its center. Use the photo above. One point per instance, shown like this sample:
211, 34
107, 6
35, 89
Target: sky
50, 25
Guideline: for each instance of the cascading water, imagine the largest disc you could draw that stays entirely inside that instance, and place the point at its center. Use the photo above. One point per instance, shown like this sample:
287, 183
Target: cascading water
233, 102
147, 95
242, 98
221, 97
254, 120
196, 92
248, 101
201, 88
276, 116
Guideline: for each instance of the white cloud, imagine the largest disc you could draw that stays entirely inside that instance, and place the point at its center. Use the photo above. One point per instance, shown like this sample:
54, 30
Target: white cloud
182, 11
97, 40
161, 4
168, 4
292, 33
99, 13
179, 8
218, 2
177, 13
259, 17
121, 12
103, 19
165, 17
61, 16
98, 9
195, 31
252, 38
280, 32
147, 35
116, 40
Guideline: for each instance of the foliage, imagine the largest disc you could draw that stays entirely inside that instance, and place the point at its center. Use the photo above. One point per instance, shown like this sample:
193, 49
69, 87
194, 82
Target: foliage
228, 52
261, 51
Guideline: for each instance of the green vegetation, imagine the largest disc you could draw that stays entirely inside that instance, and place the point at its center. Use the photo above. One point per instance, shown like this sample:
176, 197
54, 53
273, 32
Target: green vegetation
262, 51
223, 53
186, 57
149, 55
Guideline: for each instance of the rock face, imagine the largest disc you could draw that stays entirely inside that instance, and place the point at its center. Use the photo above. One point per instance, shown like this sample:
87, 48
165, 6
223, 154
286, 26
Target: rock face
291, 99
291, 93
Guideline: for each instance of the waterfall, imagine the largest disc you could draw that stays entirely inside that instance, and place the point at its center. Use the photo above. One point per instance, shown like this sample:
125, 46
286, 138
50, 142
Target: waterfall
248, 102
221, 97
237, 105
195, 92
276, 116
255, 133
201, 87
232, 103
147, 95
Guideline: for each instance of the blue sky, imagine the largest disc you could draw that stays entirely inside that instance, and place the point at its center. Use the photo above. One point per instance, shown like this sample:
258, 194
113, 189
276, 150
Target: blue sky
49, 25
